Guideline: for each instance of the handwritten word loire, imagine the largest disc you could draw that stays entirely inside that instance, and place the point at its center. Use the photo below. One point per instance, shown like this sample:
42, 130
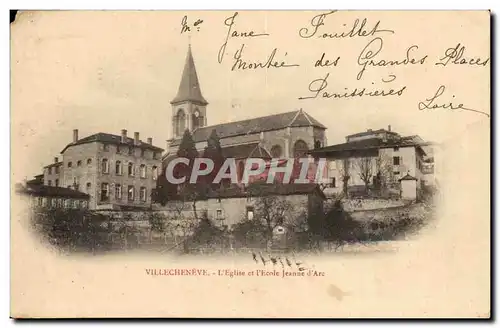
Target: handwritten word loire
356, 30
431, 103
232, 33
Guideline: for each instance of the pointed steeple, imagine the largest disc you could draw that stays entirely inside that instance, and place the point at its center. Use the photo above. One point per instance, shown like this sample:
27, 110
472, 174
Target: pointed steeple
189, 89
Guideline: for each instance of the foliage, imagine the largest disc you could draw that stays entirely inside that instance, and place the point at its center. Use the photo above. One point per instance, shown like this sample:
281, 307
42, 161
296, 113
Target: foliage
365, 169
157, 221
213, 151
250, 233
77, 229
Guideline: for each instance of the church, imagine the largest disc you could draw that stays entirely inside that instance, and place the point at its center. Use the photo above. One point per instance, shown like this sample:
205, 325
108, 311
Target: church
288, 134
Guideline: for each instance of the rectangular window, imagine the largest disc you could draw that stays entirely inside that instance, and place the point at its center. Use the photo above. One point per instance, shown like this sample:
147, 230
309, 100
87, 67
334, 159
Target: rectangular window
155, 155
130, 192
49, 183
131, 169
118, 191
104, 192
396, 148
143, 152
130, 150
143, 171
57, 182
105, 147
143, 194
250, 212
49, 170
56, 169
117, 149
219, 214
332, 183
396, 160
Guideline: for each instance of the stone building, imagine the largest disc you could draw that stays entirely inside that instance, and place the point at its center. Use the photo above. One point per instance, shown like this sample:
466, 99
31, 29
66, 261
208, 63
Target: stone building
117, 172
229, 206
52, 173
365, 154
44, 196
288, 134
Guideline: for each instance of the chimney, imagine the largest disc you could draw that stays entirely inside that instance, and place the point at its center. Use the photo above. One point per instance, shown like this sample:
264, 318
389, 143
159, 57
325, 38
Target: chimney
56, 160
75, 135
124, 136
389, 128
150, 140
136, 138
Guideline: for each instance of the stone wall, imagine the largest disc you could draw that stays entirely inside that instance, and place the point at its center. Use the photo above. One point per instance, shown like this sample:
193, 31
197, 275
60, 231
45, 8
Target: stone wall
353, 205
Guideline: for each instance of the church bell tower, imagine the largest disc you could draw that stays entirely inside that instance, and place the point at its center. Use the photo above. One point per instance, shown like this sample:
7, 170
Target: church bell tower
189, 106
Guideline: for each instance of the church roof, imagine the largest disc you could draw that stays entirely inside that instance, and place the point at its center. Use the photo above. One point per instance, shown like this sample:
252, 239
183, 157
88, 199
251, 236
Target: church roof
189, 89
296, 118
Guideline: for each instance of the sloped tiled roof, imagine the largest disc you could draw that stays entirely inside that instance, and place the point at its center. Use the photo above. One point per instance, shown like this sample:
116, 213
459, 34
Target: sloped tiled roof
367, 133
51, 191
295, 118
54, 164
189, 88
372, 143
111, 139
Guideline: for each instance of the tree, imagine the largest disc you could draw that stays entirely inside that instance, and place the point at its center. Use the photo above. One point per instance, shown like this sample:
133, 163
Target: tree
213, 151
188, 192
365, 169
343, 166
384, 168
269, 208
187, 149
164, 191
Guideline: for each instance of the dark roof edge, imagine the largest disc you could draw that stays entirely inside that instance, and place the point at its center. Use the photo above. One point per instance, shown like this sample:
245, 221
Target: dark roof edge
142, 145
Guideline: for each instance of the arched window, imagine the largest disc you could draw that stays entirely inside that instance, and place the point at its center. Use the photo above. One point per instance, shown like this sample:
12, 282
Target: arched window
118, 168
317, 144
196, 119
89, 161
276, 151
180, 121
155, 172
143, 171
300, 149
105, 166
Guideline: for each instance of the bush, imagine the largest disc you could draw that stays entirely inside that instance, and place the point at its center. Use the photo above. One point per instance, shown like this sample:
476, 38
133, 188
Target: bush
250, 233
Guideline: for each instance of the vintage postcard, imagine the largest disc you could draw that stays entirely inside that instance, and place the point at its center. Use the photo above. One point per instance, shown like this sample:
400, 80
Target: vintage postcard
250, 164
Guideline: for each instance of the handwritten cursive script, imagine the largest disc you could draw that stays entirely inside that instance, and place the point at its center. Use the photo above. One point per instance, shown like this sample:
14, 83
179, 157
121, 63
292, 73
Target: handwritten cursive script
318, 85
240, 64
356, 30
456, 56
431, 103
374, 47
229, 22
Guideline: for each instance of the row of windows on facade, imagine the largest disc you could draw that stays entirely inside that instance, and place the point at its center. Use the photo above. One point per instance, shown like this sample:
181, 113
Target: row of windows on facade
130, 150
130, 169
89, 160
105, 193
59, 202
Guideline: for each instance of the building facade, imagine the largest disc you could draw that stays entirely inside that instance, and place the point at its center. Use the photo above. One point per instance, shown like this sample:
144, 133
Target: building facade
289, 134
376, 154
44, 196
114, 170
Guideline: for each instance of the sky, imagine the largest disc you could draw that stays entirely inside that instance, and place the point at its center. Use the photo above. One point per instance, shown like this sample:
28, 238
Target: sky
103, 71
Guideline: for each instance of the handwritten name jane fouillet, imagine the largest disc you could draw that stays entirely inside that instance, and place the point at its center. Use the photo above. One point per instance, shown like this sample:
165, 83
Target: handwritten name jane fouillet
370, 57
